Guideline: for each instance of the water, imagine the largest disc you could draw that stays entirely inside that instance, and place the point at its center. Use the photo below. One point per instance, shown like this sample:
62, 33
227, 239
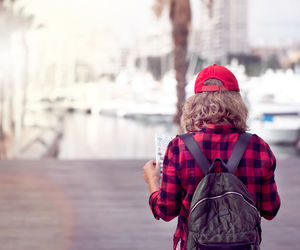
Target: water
104, 137
95, 136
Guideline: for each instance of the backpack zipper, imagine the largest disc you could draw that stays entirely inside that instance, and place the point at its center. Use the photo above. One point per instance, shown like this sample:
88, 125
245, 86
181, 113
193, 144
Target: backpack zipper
220, 196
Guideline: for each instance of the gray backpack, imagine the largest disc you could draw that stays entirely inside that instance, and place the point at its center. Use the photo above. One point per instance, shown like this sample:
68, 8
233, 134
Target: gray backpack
222, 214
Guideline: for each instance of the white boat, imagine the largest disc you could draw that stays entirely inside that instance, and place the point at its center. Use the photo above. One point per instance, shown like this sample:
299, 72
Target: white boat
276, 123
282, 131
274, 106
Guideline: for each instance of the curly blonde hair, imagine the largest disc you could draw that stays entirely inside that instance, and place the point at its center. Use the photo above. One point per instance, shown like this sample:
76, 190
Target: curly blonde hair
218, 107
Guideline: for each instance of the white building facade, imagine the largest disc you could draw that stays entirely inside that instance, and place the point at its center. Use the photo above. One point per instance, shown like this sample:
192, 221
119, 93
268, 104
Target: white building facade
222, 30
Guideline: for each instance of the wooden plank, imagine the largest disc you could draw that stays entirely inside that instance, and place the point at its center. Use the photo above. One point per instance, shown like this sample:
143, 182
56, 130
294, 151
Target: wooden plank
103, 204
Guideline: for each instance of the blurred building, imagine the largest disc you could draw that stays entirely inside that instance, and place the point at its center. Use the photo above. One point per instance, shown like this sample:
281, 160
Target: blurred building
222, 31
276, 57
153, 50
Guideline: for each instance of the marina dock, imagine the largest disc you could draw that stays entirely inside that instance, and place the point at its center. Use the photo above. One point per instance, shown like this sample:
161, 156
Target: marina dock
103, 205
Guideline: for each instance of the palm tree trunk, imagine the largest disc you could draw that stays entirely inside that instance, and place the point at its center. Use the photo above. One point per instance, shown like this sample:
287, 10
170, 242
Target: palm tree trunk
2, 132
180, 14
25, 77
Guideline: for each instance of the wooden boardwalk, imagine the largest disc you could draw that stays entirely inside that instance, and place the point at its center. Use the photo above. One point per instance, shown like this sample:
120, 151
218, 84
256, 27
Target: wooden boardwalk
103, 205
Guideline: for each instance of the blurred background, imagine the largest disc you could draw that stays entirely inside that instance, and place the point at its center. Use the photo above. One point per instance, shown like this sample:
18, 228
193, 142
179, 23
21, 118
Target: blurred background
98, 79
91, 82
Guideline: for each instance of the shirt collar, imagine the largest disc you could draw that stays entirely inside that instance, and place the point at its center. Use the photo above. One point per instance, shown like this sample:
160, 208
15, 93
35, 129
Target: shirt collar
218, 129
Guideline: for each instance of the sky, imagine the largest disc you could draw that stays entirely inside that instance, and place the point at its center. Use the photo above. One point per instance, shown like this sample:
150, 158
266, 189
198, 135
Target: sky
270, 21
274, 21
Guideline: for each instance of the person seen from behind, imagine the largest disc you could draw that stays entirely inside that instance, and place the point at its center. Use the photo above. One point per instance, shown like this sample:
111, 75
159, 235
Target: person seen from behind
215, 116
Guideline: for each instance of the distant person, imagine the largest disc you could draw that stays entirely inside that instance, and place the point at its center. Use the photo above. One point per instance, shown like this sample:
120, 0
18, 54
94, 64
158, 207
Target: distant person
215, 116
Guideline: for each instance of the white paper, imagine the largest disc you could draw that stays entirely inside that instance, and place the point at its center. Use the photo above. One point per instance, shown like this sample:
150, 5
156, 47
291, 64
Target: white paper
161, 144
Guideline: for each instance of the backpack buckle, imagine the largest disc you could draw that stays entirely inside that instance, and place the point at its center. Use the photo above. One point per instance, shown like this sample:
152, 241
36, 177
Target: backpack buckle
223, 166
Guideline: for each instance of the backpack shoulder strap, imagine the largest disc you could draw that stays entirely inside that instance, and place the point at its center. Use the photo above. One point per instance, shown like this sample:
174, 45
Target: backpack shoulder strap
196, 151
238, 152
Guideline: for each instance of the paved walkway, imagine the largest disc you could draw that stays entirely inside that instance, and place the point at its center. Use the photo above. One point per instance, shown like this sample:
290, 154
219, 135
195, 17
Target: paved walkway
103, 204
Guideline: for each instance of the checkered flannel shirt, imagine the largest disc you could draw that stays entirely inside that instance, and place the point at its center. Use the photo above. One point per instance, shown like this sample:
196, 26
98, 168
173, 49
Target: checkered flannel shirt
181, 175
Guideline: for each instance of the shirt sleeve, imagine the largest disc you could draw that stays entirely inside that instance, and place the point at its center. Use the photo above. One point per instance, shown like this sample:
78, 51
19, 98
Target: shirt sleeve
166, 202
270, 197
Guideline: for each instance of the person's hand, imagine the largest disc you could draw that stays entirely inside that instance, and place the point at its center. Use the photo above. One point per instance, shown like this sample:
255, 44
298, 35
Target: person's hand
151, 175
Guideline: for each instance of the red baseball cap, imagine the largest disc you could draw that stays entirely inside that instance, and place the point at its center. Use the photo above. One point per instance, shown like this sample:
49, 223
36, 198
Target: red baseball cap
216, 72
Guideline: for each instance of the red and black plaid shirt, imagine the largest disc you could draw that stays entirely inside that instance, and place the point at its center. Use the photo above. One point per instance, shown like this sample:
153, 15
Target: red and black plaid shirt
181, 175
